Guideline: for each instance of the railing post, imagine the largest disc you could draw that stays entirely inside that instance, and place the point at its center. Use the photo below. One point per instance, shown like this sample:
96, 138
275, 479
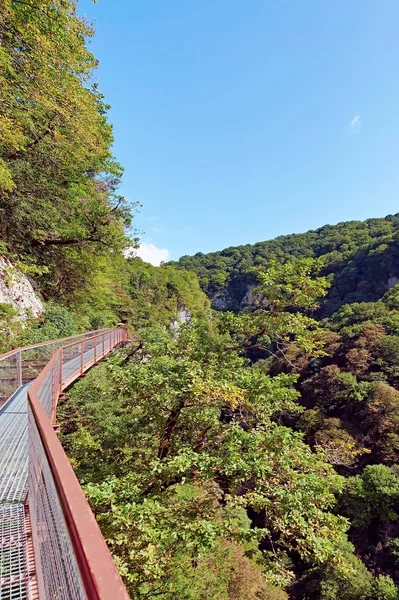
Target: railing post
81, 357
19, 368
103, 345
95, 350
61, 363
53, 383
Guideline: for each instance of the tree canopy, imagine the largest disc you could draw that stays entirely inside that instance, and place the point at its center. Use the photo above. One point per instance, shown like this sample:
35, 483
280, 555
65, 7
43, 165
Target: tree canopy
58, 178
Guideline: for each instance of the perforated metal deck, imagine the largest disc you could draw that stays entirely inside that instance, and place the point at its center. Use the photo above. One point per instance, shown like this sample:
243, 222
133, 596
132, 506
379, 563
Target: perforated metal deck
14, 448
14, 580
13, 553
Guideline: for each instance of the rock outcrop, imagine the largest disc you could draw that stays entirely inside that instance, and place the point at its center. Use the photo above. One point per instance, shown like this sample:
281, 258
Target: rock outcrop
16, 289
183, 316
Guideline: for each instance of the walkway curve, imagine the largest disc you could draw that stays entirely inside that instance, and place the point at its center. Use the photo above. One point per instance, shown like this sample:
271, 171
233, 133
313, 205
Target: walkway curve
50, 544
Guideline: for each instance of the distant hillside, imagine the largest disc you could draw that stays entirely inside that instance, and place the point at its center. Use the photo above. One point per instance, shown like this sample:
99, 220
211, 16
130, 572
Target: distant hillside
362, 258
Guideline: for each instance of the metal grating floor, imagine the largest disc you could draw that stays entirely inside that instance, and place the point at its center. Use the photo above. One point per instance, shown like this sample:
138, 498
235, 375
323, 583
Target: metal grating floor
14, 448
14, 578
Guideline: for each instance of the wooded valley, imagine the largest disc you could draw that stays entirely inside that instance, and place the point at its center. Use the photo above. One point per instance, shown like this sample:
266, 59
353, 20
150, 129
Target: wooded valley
245, 453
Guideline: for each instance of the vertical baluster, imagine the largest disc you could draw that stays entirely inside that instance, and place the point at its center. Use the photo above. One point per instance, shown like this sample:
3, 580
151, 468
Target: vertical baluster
19, 368
53, 383
81, 357
61, 365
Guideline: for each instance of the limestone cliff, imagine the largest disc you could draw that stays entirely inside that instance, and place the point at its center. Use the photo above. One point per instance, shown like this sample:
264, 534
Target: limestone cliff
16, 289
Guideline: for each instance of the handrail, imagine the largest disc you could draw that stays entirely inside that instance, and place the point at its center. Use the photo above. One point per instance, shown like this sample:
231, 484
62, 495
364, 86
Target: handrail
62, 521
57, 340
24, 364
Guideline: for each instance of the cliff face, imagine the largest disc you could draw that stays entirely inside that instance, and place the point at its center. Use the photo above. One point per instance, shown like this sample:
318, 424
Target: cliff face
183, 316
17, 290
237, 294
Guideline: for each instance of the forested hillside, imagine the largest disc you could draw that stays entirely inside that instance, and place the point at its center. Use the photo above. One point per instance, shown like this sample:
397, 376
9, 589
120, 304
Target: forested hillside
243, 455
361, 259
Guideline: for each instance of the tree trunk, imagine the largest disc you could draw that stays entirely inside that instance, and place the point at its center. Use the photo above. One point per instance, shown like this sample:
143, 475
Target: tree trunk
170, 426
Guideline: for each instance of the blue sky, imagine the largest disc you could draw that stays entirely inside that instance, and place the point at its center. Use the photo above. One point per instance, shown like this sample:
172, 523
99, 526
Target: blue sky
240, 120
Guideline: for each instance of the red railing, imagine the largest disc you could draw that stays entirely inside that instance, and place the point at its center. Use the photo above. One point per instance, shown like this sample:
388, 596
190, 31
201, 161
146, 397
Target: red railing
72, 560
24, 364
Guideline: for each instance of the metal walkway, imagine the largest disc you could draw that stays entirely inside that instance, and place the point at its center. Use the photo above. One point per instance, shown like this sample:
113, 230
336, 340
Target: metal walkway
13, 492
17, 577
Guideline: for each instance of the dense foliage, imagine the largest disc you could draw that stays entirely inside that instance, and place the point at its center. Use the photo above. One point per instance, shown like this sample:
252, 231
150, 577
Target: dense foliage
158, 294
360, 257
203, 459
59, 206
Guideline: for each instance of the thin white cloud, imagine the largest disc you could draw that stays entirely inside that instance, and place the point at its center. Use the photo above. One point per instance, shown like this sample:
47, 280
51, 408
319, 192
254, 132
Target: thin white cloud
149, 253
355, 124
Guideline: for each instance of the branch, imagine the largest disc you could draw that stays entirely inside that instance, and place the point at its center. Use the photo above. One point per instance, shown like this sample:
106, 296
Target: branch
202, 440
116, 206
67, 241
170, 426
17, 153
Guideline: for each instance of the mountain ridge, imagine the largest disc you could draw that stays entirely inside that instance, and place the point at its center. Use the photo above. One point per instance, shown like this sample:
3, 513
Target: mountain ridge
360, 257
